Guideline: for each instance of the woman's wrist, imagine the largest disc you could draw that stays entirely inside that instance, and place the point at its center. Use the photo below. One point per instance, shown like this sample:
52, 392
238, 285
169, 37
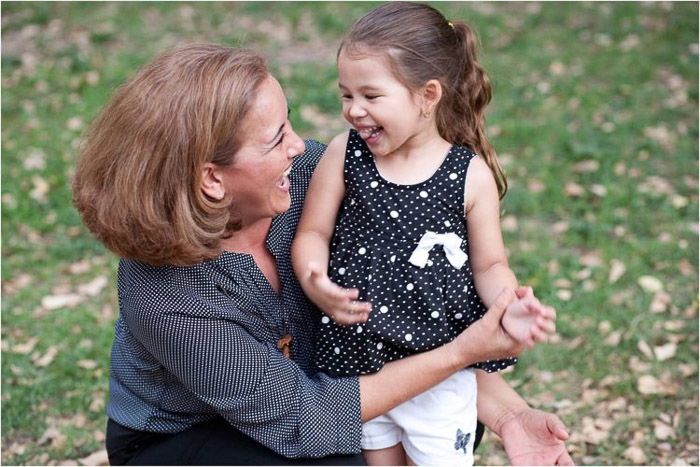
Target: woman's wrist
507, 423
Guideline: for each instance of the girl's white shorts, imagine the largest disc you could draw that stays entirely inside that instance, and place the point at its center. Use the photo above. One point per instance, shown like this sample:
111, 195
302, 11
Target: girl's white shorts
436, 427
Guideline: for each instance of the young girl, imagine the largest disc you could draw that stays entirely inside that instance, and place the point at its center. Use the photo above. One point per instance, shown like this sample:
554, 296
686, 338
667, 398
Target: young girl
411, 213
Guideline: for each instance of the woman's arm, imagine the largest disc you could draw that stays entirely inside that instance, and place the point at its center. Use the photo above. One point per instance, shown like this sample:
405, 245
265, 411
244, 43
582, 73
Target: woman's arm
529, 436
403, 379
213, 358
310, 248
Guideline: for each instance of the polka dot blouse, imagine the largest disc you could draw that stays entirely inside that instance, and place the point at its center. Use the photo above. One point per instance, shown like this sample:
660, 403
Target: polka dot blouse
379, 227
193, 343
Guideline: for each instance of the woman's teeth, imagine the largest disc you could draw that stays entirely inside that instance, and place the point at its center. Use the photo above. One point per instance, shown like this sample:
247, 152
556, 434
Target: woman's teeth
284, 181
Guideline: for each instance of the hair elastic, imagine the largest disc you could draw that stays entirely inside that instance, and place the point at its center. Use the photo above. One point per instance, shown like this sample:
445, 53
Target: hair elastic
449, 23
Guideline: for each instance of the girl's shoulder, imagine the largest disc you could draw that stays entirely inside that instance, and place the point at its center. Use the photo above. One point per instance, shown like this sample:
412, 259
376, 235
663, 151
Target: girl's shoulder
340, 141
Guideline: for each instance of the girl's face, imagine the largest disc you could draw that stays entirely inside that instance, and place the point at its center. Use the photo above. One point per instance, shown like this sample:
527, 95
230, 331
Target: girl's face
386, 113
257, 180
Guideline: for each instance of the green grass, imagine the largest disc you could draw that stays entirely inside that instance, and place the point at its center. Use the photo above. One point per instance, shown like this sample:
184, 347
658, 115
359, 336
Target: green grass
599, 96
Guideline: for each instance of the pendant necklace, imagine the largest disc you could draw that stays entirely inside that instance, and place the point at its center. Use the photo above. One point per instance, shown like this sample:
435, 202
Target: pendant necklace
284, 342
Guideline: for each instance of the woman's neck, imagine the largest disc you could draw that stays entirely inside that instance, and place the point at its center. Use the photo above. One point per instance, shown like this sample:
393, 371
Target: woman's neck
250, 238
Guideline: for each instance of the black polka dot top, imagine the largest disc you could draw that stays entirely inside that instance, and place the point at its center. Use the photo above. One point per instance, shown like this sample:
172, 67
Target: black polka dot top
379, 226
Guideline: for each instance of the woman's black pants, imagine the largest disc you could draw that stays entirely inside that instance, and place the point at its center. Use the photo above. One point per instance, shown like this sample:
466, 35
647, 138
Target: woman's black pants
214, 442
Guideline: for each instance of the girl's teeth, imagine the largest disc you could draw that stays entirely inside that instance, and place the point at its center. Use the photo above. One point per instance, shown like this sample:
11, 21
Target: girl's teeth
370, 132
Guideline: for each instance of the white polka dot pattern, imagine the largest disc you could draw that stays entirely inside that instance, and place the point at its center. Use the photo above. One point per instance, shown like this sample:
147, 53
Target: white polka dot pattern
415, 309
197, 342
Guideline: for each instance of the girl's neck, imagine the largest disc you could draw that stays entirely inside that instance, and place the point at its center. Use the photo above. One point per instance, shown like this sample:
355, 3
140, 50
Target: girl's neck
416, 160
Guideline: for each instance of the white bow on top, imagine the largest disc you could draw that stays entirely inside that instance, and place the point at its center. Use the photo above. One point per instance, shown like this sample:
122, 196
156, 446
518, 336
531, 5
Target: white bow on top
450, 242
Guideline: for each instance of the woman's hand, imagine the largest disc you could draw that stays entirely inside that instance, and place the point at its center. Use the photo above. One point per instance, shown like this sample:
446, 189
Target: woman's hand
338, 303
488, 335
534, 437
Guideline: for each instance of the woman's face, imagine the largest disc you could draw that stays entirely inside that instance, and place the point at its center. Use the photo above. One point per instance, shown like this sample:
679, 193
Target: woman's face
258, 181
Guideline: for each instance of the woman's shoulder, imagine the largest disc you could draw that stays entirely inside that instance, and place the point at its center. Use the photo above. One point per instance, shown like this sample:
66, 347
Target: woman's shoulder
313, 150
164, 289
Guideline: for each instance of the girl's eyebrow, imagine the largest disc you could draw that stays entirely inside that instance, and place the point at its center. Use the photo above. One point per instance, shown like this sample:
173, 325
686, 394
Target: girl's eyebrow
362, 88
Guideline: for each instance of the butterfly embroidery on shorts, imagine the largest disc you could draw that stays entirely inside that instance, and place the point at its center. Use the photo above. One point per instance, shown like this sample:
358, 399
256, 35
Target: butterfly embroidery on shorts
462, 440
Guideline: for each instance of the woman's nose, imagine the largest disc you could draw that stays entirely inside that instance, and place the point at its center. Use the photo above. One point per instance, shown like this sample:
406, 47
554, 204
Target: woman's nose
296, 146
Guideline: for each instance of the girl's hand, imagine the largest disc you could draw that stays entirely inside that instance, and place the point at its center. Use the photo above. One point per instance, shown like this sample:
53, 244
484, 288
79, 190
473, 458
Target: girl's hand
338, 303
527, 320
486, 338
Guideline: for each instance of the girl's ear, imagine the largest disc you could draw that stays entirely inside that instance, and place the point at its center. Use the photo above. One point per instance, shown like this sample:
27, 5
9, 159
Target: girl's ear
212, 181
431, 95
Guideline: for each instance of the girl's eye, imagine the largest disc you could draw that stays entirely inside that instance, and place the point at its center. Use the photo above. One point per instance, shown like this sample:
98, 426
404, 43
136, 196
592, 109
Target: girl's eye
371, 97
345, 96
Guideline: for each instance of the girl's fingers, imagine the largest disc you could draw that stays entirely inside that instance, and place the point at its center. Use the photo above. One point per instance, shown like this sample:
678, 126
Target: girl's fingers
359, 307
537, 334
548, 312
524, 291
546, 325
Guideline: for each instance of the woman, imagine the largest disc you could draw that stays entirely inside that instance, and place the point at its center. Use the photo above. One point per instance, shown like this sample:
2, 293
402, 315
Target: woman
193, 174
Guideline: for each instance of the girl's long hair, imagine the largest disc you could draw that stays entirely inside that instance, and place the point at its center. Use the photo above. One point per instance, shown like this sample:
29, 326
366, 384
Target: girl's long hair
421, 45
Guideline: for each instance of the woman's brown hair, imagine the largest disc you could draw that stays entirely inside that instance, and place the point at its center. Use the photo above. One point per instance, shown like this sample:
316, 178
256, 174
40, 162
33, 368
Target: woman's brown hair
421, 45
137, 182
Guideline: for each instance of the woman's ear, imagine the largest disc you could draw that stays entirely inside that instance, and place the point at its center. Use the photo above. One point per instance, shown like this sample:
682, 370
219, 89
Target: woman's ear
431, 93
212, 182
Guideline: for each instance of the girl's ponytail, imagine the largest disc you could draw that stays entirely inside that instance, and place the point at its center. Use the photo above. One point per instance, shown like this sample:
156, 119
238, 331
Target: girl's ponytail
461, 120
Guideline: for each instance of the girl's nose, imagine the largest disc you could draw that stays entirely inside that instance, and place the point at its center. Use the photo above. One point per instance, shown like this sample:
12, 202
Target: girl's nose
356, 110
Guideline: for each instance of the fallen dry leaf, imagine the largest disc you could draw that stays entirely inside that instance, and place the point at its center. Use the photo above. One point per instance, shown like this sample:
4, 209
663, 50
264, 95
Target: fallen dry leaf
617, 269
660, 302
573, 190
93, 287
663, 431
564, 295
81, 267
650, 284
535, 186
509, 224
68, 300
26, 348
648, 384
559, 227
645, 349
590, 165
687, 369
87, 364
614, 338
591, 259
593, 432
637, 365
47, 358
598, 190
604, 327
96, 458
40, 190
636, 455
664, 352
